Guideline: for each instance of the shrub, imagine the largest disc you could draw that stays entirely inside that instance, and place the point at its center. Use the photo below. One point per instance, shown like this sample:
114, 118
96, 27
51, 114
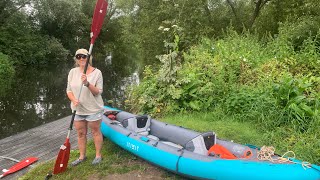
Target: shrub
249, 101
265, 83
6, 73
298, 99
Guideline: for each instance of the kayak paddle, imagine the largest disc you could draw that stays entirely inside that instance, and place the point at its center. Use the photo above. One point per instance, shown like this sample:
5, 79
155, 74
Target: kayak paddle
97, 21
20, 165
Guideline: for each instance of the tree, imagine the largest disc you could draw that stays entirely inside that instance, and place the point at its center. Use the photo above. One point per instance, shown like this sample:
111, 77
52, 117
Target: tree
63, 20
9, 8
22, 42
256, 6
6, 73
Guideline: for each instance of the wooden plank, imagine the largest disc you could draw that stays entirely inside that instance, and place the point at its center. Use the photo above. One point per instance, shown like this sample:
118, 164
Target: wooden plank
33, 134
42, 142
33, 141
49, 128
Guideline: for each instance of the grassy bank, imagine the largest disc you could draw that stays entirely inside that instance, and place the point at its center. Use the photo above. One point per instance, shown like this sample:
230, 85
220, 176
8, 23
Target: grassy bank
119, 163
115, 161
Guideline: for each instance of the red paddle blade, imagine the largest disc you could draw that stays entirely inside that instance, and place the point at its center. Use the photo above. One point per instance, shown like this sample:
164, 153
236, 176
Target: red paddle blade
98, 17
20, 165
63, 158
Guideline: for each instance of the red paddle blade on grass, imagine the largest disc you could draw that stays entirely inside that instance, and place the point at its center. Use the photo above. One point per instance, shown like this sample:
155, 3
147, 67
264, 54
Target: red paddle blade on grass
20, 165
62, 158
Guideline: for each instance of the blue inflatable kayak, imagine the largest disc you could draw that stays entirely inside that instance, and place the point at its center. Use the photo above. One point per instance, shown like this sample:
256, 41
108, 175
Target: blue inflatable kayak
189, 153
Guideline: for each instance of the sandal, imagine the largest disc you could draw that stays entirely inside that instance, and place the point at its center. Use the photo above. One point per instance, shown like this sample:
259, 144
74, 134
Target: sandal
96, 160
78, 161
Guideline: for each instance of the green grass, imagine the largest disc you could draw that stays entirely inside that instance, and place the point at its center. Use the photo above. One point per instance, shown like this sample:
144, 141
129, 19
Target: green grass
116, 160
225, 127
119, 161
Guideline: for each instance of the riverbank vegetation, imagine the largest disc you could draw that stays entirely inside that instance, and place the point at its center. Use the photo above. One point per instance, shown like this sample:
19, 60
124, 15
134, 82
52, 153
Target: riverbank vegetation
267, 78
246, 61
267, 83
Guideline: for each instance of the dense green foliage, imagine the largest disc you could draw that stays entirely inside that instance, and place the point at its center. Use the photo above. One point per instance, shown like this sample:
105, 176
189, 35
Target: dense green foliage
7, 71
267, 82
21, 40
217, 72
42, 32
47, 31
256, 60
210, 18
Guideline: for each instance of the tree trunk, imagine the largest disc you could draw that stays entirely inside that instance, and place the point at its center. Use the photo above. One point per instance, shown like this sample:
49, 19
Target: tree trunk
205, 6
234, 11
256, 12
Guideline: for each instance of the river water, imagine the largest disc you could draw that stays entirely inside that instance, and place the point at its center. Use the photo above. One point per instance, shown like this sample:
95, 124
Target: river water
38, 94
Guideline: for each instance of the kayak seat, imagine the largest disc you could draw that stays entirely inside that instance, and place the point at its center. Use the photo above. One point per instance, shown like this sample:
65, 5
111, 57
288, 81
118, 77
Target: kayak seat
153, 137
115, 122
201, 143
138, 124
172, 144
171, 133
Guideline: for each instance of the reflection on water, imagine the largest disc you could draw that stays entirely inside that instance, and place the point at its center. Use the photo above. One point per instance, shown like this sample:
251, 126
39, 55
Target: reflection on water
38, 95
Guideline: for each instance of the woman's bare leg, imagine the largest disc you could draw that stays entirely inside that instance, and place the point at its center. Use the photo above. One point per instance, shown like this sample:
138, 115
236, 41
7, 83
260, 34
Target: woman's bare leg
81, 127
97, 136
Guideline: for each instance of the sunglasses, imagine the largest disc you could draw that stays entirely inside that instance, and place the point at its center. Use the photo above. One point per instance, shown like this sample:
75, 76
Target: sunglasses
79, 56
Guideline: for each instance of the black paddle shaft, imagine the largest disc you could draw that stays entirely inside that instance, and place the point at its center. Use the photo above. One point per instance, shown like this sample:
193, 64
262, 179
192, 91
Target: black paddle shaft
84, 72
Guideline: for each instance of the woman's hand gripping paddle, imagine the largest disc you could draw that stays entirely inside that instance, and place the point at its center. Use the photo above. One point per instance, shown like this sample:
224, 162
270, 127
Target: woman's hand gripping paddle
97, 21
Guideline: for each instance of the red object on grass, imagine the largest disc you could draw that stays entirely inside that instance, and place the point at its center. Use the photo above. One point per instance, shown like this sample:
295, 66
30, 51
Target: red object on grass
20, 165
63, 157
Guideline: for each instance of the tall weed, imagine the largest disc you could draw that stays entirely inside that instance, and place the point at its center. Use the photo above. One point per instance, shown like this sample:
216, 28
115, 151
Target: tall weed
266, 83
298, 100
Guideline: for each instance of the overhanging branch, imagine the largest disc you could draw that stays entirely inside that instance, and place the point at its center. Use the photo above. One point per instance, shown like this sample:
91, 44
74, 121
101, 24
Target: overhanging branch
256, 12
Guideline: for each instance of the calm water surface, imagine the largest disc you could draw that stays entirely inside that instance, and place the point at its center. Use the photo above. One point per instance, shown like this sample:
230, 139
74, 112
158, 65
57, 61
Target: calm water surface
38, 95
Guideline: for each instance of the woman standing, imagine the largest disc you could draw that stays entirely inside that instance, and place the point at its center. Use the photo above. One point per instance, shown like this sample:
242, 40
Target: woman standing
89, 107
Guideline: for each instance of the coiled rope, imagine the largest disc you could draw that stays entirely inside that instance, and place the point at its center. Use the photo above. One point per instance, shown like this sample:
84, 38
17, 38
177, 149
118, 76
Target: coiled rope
266, 153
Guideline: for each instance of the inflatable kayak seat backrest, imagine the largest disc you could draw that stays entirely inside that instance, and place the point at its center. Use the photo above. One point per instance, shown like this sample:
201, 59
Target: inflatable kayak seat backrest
210, 139
171, 133
202, 143
138, 124
124, 115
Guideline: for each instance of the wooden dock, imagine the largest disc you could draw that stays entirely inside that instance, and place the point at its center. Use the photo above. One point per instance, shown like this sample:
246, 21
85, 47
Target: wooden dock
42, 142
